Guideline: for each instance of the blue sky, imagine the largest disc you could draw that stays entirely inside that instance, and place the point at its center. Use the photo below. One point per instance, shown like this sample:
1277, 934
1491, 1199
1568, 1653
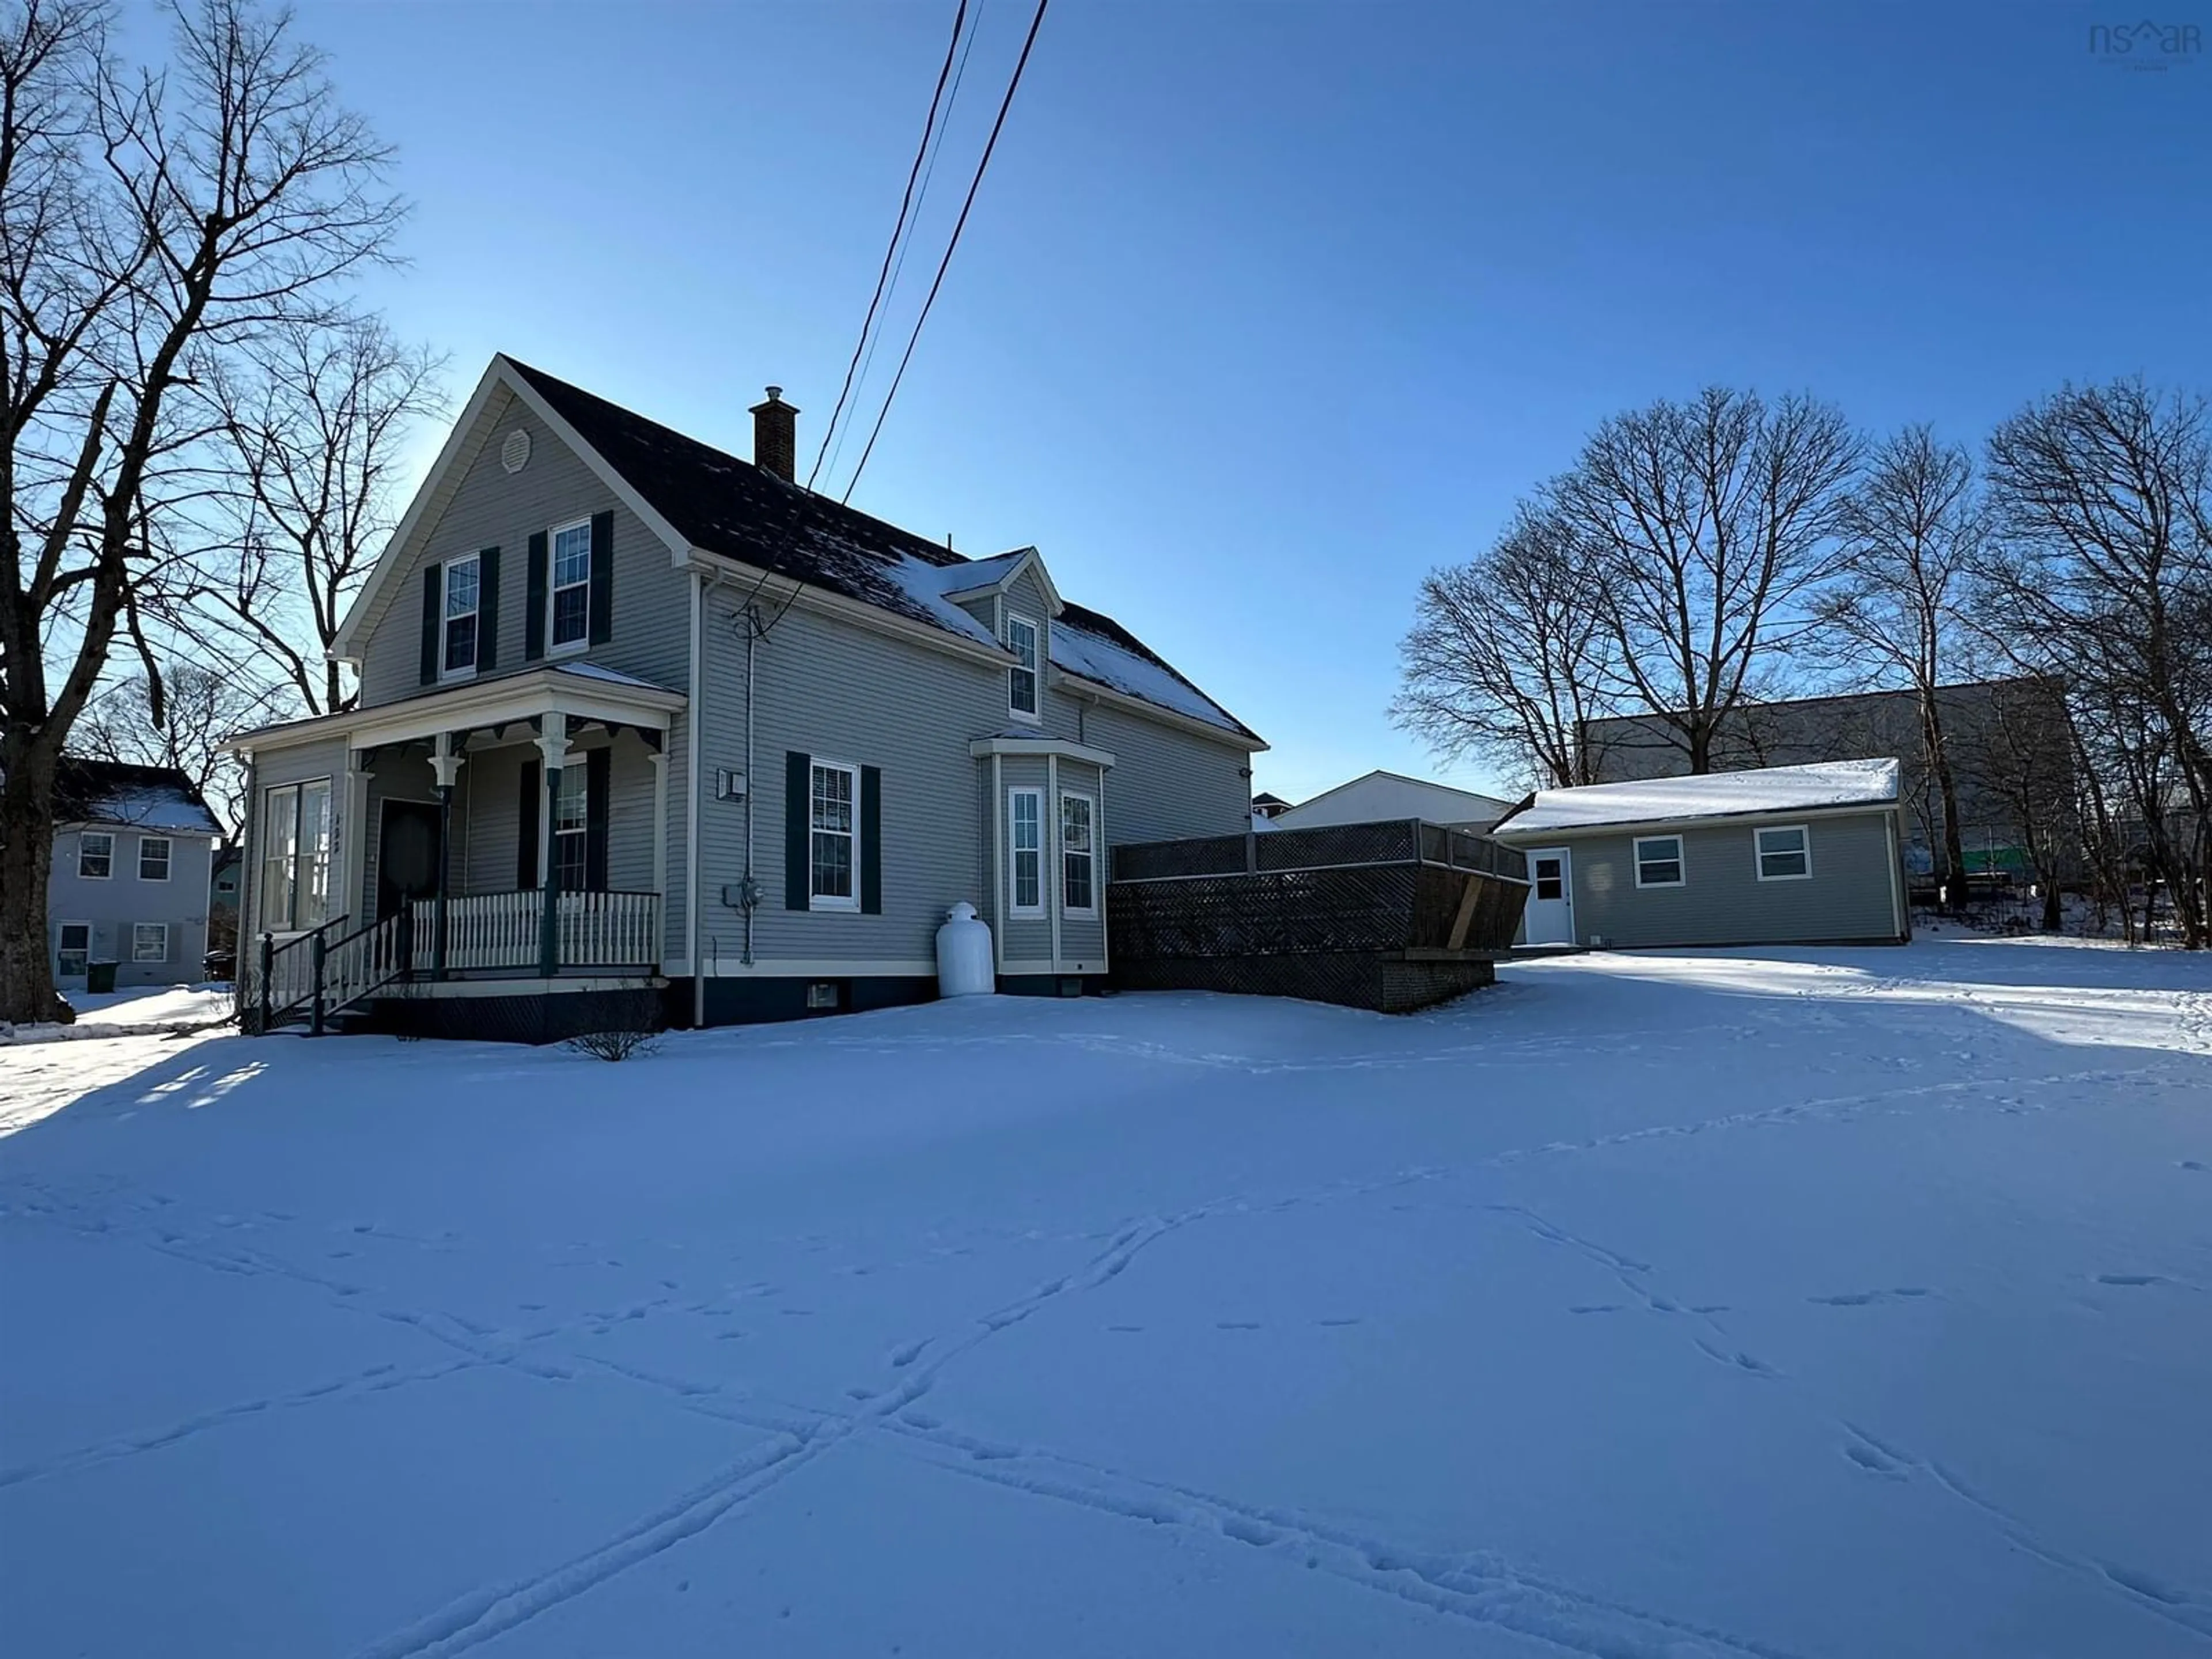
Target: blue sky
1267, 308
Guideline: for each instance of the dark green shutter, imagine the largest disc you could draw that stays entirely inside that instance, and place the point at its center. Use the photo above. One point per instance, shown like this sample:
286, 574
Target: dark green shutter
872, 840
486, 610
597, 763
434, 596
603, 578
798, 841
525, 835
533, 621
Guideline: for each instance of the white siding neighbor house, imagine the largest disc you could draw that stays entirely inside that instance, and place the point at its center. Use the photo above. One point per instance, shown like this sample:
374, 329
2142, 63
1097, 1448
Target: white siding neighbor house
132, 850
1380, 796
1783, 855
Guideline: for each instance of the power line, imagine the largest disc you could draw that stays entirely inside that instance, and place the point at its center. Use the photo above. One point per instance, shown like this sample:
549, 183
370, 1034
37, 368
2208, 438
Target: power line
898, 229
960, 224
920, 198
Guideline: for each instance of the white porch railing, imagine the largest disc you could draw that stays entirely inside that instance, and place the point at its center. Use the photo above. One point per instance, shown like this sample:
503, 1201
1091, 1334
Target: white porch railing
502, 931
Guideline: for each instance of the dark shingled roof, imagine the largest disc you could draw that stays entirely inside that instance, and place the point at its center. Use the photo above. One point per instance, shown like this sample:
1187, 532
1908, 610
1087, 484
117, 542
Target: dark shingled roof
727, 506
88, 791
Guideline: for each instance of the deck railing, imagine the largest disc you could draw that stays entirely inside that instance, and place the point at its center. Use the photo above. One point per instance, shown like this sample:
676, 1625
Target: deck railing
506, 929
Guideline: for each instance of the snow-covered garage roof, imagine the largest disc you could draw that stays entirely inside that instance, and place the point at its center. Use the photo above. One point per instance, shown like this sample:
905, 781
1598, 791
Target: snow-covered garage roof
1824, 787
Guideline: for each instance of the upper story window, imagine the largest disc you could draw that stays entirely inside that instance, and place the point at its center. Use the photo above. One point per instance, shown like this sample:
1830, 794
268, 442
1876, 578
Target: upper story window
295, 855
153, 857
1659, 861
1079, 858
464, 589
832, 795
570, 592
96, 854
1785, 853
1025, 835
1021, 678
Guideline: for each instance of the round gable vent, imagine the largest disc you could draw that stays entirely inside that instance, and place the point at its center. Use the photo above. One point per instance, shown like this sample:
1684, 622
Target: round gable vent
514, 452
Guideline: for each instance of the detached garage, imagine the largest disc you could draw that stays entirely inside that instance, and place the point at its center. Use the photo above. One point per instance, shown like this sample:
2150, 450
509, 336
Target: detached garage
1785, 855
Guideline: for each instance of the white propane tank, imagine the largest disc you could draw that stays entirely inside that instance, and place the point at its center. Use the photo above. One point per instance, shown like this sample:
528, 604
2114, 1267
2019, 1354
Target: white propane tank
964, 955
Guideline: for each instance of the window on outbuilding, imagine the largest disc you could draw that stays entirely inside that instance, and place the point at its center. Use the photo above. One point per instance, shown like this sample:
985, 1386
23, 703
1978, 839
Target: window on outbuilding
1659, 861
1785, 853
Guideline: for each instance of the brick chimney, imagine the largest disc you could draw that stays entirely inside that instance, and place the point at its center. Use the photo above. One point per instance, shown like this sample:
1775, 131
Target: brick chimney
775, 434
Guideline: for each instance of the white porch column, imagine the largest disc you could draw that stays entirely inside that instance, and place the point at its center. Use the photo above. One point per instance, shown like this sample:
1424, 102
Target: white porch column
660, 759
352, 832
553, 750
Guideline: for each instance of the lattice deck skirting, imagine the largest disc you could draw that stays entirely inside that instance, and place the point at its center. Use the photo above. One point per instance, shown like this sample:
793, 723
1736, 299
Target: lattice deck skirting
1392, 916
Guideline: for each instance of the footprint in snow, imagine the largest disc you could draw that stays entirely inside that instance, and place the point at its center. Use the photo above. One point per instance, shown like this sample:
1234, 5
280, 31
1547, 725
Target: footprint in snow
1594, 1307
1873, 1461
1335, 1324
1125, 1328
1235, 1325
2191, 1164
2130, 1279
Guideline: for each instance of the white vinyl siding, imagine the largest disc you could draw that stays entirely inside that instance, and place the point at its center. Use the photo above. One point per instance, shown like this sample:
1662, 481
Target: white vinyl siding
96, 854
1785, 853
153, 857
833, 809
1659, 861
568, 587
1025, 844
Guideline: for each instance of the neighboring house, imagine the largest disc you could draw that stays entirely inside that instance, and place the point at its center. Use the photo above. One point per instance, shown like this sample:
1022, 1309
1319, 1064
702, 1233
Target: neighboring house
1265, 806
650, 714
1784, 855
223, 896
132, 848
1382, 795
2009, 741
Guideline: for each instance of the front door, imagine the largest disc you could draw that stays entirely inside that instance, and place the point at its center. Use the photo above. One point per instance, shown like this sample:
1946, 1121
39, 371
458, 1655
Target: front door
1550, 918
406, 854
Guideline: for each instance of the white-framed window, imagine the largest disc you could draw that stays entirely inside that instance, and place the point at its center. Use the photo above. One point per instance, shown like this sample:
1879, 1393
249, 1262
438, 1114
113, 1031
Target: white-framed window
833, 792
295, 856
1025, 839
1659, 861
456, 657
1079, 856
568, 587
153, 857
96, 854
1548, 875
1785, 853
73, 949
571, 826
150, 941
1021, 678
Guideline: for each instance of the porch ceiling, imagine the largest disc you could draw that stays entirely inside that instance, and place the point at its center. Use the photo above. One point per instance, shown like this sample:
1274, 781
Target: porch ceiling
579, 691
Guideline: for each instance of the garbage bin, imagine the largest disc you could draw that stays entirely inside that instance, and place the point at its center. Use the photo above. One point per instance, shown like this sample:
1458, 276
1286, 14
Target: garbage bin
98, 977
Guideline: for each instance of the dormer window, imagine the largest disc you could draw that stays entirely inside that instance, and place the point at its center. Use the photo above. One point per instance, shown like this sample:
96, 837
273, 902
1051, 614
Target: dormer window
1021, 678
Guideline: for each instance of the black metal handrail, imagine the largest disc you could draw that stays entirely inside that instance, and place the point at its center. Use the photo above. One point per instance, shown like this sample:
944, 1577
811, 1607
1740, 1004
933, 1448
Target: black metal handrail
271, 1008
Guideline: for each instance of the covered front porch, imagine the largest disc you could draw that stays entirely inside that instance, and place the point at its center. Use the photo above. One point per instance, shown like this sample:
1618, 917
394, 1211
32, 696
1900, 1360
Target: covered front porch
513, 831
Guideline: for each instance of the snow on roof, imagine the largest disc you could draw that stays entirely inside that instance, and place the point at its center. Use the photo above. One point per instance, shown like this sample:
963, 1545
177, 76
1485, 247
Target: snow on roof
1715, 795
1076, 650
159, 798
1381, 795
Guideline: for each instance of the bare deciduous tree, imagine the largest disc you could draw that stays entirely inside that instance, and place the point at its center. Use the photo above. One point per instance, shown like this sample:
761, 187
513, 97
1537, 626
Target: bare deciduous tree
153, 223
1912, 531
1714, 522
314, 424
2103, 495
1509, 656
201, 707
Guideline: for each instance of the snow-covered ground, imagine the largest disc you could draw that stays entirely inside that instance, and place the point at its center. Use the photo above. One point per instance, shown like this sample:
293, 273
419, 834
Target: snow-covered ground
1780, 1302
143, 1011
